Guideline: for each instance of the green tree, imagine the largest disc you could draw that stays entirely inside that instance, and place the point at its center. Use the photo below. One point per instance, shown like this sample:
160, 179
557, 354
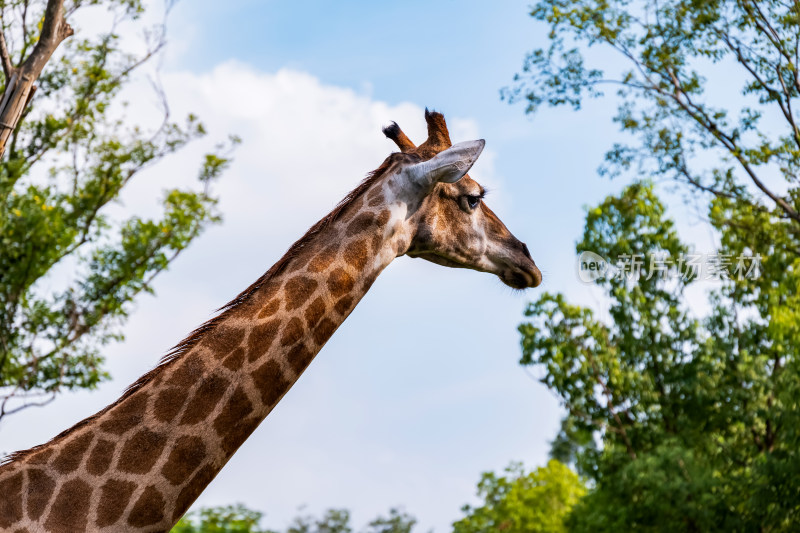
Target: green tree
228, 519
398, 521
519, 502
682, 423
708, 89
71, 156
696, 417
240, 519
333, 521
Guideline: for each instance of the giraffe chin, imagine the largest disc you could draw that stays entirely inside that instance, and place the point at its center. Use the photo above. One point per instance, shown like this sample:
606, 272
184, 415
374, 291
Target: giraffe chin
515, 277
433, 257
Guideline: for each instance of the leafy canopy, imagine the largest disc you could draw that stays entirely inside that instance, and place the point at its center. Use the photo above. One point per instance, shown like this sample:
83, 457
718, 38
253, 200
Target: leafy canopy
71, 157
227, 519
239, 519
681, 422
708, 90
520, 502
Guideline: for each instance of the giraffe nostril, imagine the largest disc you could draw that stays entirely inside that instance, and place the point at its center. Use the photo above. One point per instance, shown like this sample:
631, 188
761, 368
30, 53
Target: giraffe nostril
526, 252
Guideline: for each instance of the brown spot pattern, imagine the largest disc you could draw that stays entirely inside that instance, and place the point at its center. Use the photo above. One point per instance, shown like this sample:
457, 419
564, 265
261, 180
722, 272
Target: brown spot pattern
293, 332
315, 311
323, 260
70, 508
369, 280
344, 305
360, 224
184, 459
376, 200
141, 452
72, 454
238, 434
40, 489
190, 370
126, 414
234, 360
271, 308
11, 501
269, 380
261, 338
192, 490
223, 339
169, 403
100, 458
205, 399
298, 290
267, 292
300, 357
340, 282
351, 209
114, 497
383, 218
148, 509
356, 255
232, 424
324, 331
40, 458
237, 407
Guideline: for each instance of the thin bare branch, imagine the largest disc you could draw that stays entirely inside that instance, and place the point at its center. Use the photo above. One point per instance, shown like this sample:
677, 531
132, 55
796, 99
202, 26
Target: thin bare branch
5, 58
6, 412
699, 115
785, 102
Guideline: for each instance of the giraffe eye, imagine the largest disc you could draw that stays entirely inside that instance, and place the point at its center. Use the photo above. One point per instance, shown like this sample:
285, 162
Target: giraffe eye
473, 201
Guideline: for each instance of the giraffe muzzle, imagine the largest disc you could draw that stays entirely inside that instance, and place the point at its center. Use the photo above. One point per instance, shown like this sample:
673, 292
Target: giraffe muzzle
521, 271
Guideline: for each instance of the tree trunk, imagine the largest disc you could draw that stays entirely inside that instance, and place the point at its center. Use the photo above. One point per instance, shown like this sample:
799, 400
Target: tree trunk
20, 80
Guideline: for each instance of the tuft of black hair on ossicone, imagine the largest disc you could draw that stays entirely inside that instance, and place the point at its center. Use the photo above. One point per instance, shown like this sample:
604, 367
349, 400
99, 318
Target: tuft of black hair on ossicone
393, 132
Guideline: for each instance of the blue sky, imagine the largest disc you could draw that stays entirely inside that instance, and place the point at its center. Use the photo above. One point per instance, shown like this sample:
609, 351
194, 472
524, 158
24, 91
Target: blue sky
420, 390
451, 56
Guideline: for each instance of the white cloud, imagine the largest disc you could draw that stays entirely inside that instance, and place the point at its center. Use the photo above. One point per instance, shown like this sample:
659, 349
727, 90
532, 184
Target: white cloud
305, 143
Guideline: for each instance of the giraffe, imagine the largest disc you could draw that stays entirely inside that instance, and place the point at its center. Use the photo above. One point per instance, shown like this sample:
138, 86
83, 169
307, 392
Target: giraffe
138, 464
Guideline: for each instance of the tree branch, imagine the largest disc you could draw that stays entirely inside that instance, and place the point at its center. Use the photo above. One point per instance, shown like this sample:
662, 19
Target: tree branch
20, 87
79, 330
786, 107
767, 29
700, 116
5, 58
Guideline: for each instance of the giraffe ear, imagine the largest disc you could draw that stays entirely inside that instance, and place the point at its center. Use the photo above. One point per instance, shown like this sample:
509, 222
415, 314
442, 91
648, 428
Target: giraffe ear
448, 166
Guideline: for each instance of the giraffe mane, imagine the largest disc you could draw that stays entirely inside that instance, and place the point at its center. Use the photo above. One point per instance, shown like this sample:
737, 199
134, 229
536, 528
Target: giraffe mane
223, 312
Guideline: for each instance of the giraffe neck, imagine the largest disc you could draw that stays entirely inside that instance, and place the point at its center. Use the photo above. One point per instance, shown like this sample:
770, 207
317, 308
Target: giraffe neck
139, 464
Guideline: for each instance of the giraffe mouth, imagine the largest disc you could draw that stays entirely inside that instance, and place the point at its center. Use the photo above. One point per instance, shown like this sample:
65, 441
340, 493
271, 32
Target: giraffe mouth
520, 270
522, 278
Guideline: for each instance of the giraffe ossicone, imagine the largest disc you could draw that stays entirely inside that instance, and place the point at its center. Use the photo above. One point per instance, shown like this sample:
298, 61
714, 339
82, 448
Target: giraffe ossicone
138, 464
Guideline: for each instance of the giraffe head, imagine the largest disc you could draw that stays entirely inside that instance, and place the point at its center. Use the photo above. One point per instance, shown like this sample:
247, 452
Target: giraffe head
447, 220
